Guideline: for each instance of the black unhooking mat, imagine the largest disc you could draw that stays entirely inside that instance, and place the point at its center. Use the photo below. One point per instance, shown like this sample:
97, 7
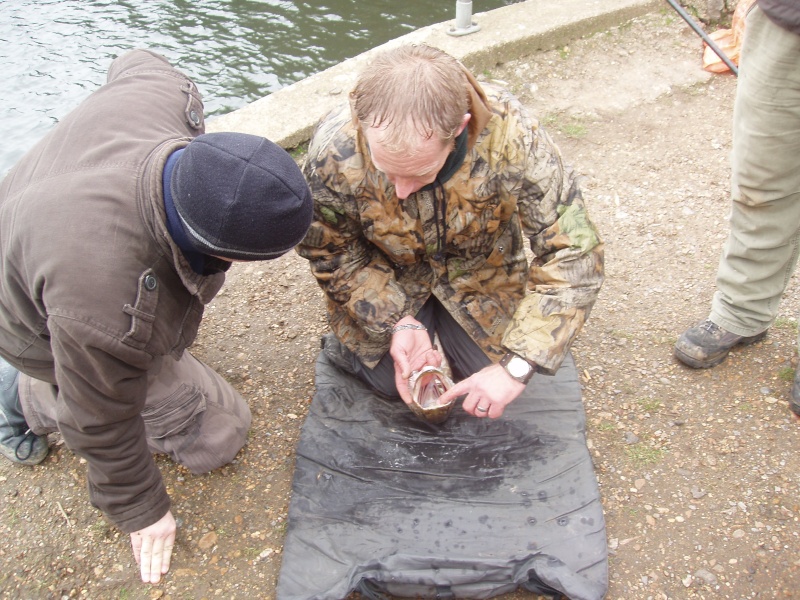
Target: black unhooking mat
385, 503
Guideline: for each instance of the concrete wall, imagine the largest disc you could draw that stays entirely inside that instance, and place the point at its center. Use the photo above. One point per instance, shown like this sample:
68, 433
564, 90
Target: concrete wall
288, 116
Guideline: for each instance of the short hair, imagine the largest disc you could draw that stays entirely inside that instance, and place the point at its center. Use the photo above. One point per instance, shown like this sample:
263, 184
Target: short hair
412, 89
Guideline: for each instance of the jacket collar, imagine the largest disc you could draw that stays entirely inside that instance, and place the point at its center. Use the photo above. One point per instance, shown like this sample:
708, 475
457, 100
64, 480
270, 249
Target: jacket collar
205, 287
453, 163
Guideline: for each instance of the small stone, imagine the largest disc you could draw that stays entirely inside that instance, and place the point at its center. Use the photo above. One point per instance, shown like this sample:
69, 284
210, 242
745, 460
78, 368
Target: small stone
185, 573
706, 576
208, 540
631, 438
266, 553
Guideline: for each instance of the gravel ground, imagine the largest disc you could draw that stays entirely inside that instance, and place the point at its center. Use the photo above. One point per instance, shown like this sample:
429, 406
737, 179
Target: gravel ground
699, 471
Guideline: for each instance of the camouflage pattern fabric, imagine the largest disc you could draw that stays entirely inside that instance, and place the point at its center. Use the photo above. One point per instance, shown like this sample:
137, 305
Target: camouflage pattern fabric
379, 259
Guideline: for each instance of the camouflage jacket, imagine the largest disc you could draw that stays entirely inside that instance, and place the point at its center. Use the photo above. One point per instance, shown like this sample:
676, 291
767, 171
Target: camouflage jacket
379, 259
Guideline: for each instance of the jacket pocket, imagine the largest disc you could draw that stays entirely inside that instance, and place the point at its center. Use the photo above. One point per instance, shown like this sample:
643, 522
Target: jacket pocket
174, 414
143, 311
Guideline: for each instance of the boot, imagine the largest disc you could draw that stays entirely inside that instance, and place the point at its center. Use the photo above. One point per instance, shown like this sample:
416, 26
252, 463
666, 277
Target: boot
707, 344
794, 397
17, 442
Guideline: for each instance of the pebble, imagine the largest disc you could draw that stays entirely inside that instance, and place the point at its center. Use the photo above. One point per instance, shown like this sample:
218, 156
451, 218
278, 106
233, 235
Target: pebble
208, 540
706, 576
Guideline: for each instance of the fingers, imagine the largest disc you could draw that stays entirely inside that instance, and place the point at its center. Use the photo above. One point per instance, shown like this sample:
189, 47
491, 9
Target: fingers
152, 548
476, 402
166, 557
145, 564
161, 556
401, 383
156, 554
484, 408
429, 357
476, 406
403, 366
136, 546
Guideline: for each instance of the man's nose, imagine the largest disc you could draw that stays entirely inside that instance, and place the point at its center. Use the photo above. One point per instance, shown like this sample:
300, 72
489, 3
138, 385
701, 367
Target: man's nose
404, 188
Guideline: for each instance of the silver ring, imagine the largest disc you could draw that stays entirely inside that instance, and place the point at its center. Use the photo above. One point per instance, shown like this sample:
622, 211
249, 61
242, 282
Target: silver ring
481, 409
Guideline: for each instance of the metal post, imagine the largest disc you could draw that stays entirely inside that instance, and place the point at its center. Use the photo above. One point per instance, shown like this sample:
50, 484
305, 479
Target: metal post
464, 23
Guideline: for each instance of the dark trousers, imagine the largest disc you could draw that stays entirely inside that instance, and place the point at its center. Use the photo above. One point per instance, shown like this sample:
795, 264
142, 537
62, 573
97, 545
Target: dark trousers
464, 356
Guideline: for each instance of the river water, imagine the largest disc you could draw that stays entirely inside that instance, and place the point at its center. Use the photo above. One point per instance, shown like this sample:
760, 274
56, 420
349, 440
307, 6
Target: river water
55, 52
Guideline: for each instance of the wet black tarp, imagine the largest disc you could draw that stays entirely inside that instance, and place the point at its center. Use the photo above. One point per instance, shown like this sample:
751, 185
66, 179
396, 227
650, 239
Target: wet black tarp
383, 502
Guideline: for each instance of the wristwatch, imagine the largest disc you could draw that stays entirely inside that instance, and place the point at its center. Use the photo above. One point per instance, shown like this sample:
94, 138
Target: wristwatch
519, 368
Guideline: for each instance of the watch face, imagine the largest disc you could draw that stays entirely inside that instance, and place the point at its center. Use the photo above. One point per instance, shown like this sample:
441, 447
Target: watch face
518, 367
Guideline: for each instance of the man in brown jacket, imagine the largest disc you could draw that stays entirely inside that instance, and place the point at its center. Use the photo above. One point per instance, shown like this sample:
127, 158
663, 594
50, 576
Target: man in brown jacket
115, 230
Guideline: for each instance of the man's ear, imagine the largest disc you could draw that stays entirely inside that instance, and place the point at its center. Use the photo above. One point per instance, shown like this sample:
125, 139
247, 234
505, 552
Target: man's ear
464, 122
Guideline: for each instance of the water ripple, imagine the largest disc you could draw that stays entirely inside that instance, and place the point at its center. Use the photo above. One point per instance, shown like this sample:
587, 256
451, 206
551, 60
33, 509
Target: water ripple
56, 52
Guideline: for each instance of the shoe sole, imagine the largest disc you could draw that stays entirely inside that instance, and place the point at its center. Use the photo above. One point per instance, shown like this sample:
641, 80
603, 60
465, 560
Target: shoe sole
707, 364
30, 461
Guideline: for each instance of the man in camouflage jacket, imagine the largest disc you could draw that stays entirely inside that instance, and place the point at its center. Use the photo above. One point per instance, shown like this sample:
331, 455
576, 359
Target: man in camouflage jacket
431, 238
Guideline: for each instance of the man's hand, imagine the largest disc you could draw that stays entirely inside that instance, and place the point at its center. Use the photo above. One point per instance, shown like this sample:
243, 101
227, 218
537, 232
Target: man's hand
152, 548
411, 350
488, 392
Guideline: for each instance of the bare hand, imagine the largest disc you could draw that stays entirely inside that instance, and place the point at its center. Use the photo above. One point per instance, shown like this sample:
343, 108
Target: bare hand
152, 548
411, 350
488, 392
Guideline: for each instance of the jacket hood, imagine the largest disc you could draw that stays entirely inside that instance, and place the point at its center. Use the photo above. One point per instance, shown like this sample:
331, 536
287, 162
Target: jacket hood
478, 108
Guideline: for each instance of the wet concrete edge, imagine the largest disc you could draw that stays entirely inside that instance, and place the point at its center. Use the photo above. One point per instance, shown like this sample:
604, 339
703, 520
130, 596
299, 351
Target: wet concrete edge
289, 115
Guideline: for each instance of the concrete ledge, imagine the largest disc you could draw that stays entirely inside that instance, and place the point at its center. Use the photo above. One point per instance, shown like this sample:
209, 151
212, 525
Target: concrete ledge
289, 115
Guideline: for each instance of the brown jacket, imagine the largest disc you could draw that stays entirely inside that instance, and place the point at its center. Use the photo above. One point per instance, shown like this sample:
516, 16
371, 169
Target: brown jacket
93, 292
379, 259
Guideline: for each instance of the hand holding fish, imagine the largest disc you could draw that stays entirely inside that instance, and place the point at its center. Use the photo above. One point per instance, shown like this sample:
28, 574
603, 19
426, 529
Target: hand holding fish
411, 350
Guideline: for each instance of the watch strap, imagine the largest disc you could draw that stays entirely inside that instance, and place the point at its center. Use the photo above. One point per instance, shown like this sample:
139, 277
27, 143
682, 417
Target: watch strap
524, 379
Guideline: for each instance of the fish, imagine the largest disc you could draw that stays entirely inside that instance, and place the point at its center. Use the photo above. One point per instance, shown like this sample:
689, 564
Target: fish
426, 385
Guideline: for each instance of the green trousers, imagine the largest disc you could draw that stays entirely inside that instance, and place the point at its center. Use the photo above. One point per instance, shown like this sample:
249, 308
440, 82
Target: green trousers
762, 248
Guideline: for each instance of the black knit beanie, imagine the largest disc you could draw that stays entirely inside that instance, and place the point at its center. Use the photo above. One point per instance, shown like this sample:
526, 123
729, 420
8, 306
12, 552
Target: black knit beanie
240, 196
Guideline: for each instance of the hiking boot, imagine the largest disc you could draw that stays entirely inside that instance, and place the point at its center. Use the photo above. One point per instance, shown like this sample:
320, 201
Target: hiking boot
17, 442
794, 397
707, 344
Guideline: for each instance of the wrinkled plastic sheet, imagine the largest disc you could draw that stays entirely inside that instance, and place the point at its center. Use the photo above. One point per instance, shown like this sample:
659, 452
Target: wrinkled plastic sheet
384, 503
